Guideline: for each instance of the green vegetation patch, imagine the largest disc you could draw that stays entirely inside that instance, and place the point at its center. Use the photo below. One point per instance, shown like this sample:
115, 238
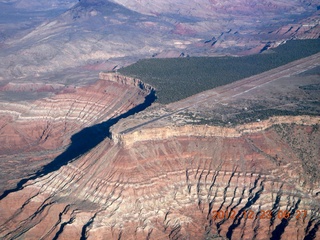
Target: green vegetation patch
179, 78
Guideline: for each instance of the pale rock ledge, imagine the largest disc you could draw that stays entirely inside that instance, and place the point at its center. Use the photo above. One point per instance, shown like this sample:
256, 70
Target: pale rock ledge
167, 132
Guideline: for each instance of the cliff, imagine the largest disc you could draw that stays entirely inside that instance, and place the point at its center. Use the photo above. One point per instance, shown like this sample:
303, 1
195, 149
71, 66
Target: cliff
169, 187
166, 180
160, 133
125, 80
62, 177
32, 133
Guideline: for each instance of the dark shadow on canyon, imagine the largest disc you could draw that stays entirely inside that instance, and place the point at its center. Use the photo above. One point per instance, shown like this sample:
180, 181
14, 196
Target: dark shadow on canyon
81, 143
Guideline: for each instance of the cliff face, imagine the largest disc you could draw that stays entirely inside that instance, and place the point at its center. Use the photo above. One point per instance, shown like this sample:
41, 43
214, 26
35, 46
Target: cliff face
256, 180
33, 133
124, 80
173, 188
62, 177
157, 177
160, 133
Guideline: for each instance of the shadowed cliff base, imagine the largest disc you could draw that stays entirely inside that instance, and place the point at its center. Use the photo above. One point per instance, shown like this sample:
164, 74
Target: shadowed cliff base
82, 142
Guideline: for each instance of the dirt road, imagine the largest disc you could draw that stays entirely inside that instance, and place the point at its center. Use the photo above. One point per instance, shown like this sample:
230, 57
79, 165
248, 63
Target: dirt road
230, 91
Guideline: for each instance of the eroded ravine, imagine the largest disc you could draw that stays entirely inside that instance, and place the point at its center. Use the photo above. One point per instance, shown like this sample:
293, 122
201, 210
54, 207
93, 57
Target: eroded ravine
50, 128
172, 186
81, 143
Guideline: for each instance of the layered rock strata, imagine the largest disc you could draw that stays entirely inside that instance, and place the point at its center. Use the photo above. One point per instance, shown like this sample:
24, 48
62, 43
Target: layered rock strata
173, 187
160, 133
31, 133
258, 180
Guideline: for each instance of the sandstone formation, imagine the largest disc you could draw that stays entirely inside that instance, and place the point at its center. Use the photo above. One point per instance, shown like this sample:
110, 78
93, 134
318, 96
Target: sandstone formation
171, 188
82, 158
258, 180
160, 133
33, 133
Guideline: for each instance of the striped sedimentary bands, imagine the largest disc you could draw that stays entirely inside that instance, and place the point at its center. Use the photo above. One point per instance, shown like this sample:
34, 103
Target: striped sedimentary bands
173, 188
34, 133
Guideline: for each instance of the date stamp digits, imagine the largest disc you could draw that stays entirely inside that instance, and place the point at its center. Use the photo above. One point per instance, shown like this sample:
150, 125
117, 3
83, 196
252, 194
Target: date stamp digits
263, 214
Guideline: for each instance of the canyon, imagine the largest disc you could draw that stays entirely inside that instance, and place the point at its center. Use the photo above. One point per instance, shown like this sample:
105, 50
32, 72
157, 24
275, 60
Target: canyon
153, 182
44, 128
89, 153
134, 193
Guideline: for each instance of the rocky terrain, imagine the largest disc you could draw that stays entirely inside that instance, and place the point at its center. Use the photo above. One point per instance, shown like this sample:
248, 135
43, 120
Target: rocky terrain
33, 133
58, 43
90, 155
170, 188
169, 183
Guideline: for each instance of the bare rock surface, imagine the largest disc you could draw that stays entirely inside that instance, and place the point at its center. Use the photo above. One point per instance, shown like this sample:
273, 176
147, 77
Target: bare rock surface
83, 159
33, 133
256, 180
171, 188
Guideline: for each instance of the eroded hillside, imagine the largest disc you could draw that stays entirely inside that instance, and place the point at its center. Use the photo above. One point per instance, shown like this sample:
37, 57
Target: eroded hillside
87, 159
158, 176
34, 133
172, 187
58, 40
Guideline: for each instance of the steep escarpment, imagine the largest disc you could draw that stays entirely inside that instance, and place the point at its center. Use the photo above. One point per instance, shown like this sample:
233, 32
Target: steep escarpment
121, 79
158, 133
173, 188
164, 174
156, 178
34, 133
162, 177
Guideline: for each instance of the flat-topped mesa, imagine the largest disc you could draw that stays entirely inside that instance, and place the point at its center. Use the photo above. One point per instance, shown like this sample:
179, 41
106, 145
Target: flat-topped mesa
167, 132
121, 79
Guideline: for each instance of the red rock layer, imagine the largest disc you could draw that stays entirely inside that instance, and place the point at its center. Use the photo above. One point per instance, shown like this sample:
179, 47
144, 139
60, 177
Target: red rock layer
30, 87
41, 130
171, 188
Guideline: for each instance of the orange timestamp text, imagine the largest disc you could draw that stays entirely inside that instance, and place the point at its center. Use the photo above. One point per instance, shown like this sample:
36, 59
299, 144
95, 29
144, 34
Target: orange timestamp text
262, 214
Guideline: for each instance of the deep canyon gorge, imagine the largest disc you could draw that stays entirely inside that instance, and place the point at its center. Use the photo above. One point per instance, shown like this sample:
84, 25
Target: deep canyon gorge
90, 150
163, 184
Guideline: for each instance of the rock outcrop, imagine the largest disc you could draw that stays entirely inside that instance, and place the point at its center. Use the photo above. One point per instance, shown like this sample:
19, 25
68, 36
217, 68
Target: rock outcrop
173, 188
258, 180
168, 132
65, 176
33, 133
124, 80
